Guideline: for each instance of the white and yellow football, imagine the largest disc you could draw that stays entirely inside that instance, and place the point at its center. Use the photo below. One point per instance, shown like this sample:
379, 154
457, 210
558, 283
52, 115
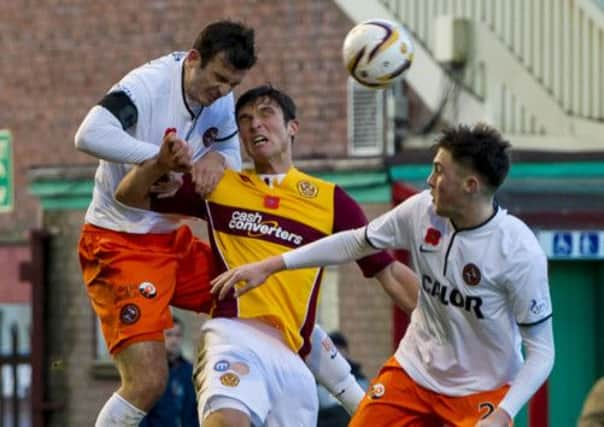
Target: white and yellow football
377, 52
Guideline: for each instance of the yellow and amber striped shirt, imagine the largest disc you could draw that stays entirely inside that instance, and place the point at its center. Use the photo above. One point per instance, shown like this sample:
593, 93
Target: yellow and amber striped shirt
249, 221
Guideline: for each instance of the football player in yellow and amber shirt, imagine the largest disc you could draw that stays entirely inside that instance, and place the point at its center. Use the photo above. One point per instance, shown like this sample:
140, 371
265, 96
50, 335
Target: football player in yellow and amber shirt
250, 360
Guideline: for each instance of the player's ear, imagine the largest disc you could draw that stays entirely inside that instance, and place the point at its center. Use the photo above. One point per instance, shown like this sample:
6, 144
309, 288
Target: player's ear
472, 184
292, 127
193, 55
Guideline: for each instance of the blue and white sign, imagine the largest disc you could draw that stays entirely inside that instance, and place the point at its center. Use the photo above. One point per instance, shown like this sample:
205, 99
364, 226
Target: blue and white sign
572, 244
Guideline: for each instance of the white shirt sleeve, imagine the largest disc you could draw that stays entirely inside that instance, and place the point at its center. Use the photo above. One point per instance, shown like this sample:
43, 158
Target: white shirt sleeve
338, 248
528, 288
101, 135
392, 230
538, 341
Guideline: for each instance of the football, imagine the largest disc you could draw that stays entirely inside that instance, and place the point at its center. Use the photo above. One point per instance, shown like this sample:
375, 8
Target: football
377, 52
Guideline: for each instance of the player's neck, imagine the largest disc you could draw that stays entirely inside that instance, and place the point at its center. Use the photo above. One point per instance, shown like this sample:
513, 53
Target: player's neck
272, 167
474, 215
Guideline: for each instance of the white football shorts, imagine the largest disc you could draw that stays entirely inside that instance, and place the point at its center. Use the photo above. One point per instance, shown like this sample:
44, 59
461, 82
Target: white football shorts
244, 364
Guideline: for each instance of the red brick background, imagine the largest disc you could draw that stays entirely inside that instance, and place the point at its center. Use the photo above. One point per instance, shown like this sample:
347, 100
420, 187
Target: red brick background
11, 257
58, 58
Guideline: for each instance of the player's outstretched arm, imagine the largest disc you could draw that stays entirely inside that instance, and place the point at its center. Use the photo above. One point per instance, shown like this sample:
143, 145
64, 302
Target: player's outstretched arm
401, 284
336, 249
248, 276
134, 189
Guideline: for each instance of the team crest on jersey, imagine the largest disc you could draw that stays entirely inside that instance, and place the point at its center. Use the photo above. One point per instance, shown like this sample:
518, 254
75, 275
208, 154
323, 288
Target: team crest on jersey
147, 289
307, 189
376, 391
229, 379
471, 274
129, 314
209, 136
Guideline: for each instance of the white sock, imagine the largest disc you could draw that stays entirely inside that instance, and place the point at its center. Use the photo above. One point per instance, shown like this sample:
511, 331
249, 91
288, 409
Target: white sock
118, 412
332, 370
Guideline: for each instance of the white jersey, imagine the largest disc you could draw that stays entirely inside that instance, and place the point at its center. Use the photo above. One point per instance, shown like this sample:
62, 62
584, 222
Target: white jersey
156, 89
477, 286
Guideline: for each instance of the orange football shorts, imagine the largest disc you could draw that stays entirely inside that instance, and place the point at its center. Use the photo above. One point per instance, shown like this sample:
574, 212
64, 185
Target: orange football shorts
395, 400
132, 279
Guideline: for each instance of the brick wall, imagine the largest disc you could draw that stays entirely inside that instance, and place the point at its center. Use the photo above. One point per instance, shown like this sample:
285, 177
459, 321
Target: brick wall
58, 58
12, 288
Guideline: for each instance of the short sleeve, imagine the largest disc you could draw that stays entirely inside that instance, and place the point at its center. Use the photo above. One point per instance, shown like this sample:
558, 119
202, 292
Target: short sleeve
133, 86
528, 287
393, 229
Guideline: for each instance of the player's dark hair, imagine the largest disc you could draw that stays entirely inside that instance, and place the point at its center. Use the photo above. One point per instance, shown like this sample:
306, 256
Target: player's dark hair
287, 105
481, 148
233, 38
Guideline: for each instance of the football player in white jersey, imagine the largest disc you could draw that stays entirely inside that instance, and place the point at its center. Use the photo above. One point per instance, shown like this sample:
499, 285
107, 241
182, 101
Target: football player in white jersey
136, 263
484, 293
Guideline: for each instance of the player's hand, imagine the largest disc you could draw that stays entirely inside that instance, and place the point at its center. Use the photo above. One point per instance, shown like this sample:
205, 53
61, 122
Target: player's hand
174, 153
207, 172
245, 278
499, 418
167, 185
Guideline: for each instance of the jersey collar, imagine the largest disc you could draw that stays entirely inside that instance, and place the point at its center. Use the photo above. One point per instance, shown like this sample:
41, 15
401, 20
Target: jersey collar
498, 213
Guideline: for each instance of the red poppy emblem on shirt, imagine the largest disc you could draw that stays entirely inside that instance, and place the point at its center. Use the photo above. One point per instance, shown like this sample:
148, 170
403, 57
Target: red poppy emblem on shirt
271, 202
432, 236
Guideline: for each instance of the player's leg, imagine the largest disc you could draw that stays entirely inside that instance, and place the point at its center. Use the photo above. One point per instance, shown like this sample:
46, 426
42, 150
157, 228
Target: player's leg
467, 411
394, 400
291, 373
130, 280
230, 378
143, 371
195, 269
333, 371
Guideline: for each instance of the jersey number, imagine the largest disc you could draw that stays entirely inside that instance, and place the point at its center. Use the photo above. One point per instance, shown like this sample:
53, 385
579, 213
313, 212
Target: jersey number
486, 409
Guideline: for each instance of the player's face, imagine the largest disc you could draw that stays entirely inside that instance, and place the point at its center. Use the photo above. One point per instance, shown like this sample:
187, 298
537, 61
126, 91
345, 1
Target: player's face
447, 182
218, 77
265, 135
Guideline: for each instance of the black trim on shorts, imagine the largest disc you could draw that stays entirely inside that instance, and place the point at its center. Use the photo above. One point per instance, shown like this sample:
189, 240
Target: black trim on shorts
121, 106
537, 322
